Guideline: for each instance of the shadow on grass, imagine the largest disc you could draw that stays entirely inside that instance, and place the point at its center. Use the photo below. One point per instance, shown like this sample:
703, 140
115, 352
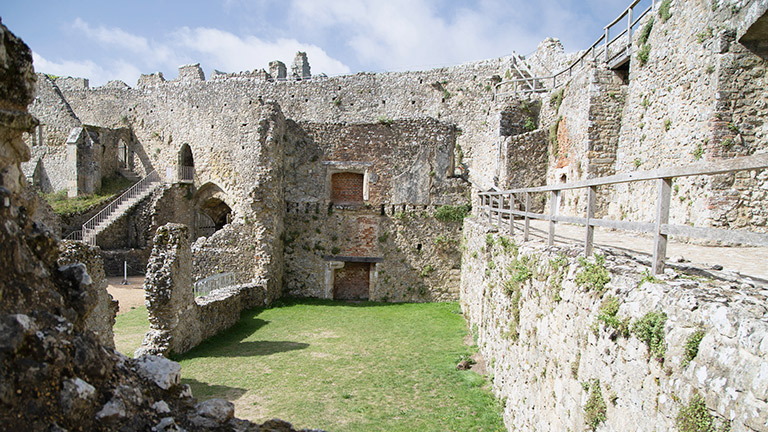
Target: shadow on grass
231, 342
255, 348
308, 301
204, 390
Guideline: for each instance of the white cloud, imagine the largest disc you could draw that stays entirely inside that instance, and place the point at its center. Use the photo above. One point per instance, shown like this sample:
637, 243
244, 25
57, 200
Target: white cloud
224, 50
96, 74
400, 34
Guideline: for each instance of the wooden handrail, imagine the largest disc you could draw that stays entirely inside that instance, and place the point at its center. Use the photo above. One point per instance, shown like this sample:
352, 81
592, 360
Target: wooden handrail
492, 203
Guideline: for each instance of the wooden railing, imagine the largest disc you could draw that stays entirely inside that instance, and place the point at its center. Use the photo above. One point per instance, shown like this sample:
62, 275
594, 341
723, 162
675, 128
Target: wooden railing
501, 205
601, 49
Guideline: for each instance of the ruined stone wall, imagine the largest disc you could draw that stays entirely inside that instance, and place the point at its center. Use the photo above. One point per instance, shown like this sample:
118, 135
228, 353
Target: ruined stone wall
101, 320
55, 374
526, 160
407, 170
461, 95
699, 97
177, 320
556, 365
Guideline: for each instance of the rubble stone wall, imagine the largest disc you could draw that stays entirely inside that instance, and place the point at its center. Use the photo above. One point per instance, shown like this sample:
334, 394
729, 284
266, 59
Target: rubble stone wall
177, 320
560, 359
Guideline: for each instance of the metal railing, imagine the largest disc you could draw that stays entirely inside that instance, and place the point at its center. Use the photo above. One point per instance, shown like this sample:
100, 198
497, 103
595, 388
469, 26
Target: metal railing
75, 235
103, 218
623, 39
205, 286
492, 206
186, 174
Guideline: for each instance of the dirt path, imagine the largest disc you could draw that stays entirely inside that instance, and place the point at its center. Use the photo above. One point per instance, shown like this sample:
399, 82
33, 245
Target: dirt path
128, 296
746, 260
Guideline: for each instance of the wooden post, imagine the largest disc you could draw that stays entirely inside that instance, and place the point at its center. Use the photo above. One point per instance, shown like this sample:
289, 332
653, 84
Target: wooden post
501, 210
589, 240
490, 210
527, 220
662, 218
607, 33
553, 209
629, 32
511, 216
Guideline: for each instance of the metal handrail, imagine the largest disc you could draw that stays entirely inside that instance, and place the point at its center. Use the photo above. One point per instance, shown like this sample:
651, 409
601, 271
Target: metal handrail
75, 236
209, 284
97, 223
492, 205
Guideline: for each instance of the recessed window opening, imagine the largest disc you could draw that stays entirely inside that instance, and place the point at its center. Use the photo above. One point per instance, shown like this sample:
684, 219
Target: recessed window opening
347, 188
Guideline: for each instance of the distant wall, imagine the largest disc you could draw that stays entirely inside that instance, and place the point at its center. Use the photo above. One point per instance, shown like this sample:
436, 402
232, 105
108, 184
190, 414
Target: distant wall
407, 167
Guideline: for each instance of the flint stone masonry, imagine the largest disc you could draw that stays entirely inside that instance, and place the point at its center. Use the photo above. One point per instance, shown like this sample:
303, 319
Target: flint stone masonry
300, 66
56, 374
178, 321
101, 319
407, 172
545, 344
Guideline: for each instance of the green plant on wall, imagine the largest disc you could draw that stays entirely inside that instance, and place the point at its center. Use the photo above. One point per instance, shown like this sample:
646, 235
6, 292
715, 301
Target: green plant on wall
691, 348
512, 289
645, 33
695, 417
650, 329
556, 99
607, 315
593, 275
553, 129
559, 267
664, 10
595, 409
449, 213
644, 53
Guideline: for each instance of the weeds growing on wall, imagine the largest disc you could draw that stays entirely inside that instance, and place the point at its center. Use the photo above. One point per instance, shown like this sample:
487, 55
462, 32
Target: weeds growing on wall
607, 315
664, 10
643, 54
556, 99
695, 417
449, 213
513, 290
595, 409
519, 270
593, 275
691, 348
559, 267
645, 33
650, 329
553, 137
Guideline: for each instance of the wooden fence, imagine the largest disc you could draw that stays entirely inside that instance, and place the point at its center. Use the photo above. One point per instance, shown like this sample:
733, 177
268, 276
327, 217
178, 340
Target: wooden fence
500, 205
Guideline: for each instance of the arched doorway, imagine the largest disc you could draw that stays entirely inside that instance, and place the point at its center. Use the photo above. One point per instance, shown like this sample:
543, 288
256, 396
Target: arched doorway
186, 165
212, 210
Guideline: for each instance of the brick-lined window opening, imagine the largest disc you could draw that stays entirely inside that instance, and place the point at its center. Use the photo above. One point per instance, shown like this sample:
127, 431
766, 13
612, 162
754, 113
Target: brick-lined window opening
347, 188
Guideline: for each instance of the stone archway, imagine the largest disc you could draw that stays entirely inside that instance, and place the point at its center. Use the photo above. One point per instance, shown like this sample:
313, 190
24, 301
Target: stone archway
213, 212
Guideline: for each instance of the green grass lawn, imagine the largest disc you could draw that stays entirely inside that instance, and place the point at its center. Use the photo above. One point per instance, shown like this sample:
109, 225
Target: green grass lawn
342, 367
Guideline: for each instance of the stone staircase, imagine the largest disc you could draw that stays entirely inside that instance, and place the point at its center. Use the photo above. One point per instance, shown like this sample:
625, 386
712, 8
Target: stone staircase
120, 206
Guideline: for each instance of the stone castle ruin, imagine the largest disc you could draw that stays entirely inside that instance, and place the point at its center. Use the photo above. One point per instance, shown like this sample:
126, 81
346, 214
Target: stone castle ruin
356, 187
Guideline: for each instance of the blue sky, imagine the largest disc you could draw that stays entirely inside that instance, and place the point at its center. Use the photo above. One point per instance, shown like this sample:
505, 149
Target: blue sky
104, 40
